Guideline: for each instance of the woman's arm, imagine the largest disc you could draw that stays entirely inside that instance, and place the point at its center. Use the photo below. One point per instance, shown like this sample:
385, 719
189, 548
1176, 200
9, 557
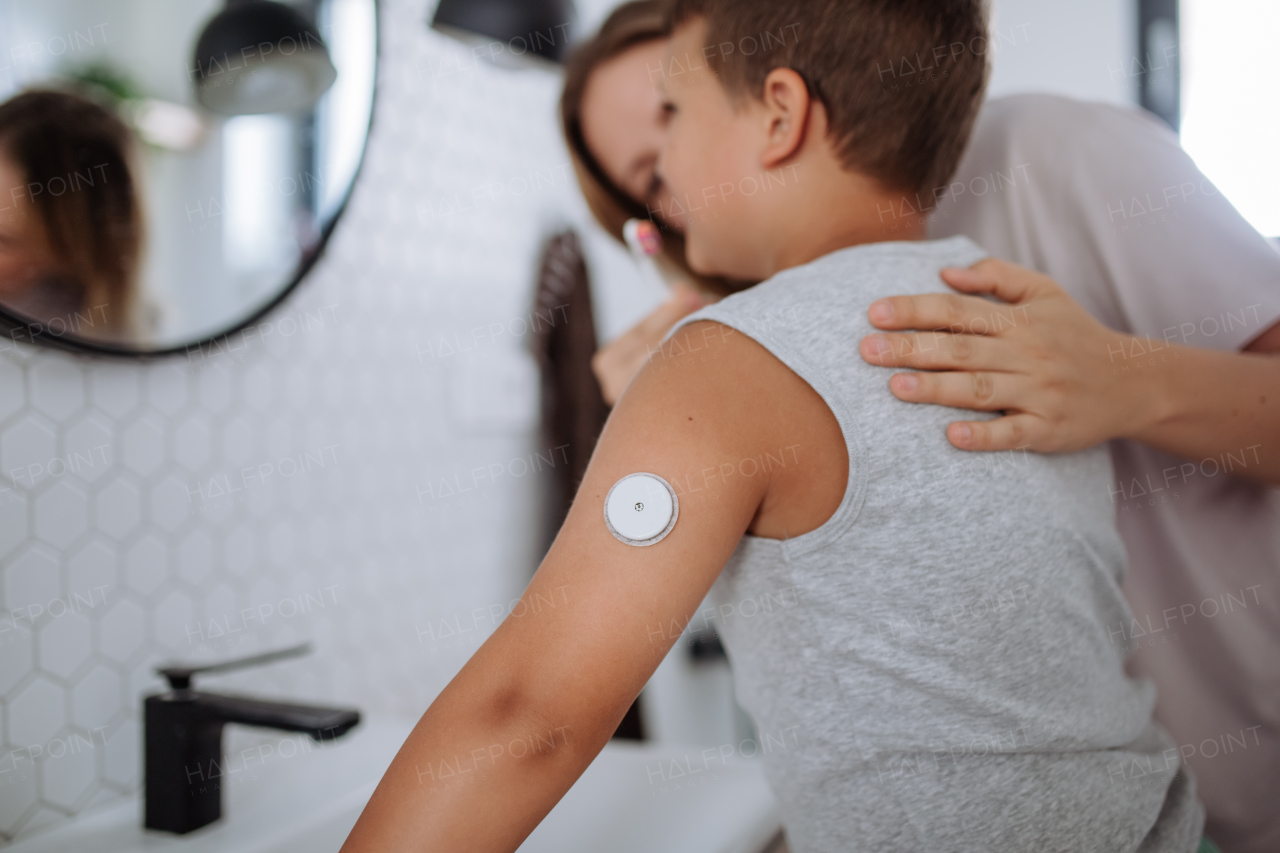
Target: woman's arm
528, 713
1067, 382
617, 362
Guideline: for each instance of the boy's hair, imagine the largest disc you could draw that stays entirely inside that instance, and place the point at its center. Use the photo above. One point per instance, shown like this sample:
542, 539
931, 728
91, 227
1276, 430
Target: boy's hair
901, 80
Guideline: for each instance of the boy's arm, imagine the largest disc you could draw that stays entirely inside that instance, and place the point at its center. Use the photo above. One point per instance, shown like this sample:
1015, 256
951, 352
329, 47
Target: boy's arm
532, 708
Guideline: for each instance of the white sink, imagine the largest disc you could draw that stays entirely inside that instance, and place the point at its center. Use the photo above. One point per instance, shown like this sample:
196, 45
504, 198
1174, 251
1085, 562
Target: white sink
307, 802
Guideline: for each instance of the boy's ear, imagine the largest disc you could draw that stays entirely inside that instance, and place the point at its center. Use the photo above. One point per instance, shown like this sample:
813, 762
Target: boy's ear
786, 101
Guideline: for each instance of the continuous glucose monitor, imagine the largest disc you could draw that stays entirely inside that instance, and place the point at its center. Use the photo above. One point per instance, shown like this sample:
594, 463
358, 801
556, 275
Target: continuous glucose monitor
641, 509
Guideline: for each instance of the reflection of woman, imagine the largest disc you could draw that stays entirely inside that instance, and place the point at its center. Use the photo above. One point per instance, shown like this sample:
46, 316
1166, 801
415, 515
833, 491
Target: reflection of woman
70, 222
1191, 497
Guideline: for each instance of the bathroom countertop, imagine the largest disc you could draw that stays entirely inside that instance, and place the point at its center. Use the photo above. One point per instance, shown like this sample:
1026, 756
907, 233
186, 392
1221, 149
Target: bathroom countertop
284, 795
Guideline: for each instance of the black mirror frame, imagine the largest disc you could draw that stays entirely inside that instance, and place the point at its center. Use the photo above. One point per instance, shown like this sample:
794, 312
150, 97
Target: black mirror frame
11, 324
1150, 11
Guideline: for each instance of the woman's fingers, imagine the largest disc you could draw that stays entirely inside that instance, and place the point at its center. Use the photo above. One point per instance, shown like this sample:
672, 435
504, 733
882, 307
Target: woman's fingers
984, 391
936, 351
1007, 282
614, 366
617, 363
1038, 354
653, 327
949, 311
1012, 432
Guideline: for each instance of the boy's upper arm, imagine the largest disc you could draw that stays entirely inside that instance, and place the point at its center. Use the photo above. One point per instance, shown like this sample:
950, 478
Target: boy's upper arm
709, 397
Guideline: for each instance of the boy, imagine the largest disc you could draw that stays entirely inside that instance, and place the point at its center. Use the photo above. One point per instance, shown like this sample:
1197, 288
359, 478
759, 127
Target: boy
947, 672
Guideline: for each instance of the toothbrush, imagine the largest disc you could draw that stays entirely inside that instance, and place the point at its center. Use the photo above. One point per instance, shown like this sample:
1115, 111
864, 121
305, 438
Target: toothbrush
644, 241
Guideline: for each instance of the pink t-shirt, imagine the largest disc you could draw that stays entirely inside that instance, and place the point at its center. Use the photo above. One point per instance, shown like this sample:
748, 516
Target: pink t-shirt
1105, 201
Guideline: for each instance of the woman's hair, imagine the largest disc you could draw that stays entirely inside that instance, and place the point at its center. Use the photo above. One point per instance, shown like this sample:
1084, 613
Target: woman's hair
629, 25
75, 156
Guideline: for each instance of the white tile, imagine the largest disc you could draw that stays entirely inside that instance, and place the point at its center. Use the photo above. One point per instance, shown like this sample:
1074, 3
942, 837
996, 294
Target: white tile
12, 395
122, 630
262, 501
305, 495
69, 770
122, 754
171, 503
496, 394
238, 443
241, 551
195, 557
319, 432
333, 389
214, 384
114, 386
175, 621
95, 699
57, 386
221, 496
91, 575
142, 681
277, 441
87, 447
17, 652
27, 447
282, 544
356, 382
118, 508
221, 602
257, 389
14, 518
20, 796
146, 565
31, 581
102, 796
191, 443
142, 445
298, 388
264, 595
167, 386
41, 818
65, 640
36, 714
62, 513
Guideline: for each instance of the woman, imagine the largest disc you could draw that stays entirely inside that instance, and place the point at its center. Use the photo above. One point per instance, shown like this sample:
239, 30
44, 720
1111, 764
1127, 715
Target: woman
70, 218
1180, 375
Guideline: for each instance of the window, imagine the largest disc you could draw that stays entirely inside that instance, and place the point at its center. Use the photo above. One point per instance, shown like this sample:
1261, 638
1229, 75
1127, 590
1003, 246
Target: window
1231, 102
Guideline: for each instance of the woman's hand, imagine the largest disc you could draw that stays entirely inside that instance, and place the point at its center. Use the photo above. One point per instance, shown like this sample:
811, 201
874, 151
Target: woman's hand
620, 360
1057, 373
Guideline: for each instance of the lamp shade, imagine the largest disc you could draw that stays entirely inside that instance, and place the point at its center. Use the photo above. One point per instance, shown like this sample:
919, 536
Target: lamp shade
261, 57
523, 27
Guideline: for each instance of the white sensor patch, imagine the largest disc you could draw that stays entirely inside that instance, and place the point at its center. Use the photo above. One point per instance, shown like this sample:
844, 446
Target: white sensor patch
641, 509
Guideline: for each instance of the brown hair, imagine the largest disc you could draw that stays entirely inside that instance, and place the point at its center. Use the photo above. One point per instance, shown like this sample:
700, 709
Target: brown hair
629, 25
901, 80
75, 156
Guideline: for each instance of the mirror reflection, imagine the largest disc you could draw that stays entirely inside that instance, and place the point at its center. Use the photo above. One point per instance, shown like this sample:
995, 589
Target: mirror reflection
168, 171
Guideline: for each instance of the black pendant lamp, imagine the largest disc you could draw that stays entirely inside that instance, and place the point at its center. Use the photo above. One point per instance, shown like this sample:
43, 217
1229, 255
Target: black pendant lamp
514, 29
259, 56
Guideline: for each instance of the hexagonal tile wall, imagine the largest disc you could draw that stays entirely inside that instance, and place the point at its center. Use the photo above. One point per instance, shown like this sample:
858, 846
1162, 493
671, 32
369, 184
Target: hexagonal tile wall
235, 499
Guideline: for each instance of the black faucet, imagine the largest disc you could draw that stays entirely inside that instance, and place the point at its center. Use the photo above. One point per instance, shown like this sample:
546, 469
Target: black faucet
184, 764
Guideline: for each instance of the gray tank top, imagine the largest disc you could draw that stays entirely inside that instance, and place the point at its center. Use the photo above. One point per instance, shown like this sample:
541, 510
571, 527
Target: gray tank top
939, 666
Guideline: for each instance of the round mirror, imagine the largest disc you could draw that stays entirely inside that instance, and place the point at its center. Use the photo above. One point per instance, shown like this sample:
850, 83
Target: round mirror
168, 171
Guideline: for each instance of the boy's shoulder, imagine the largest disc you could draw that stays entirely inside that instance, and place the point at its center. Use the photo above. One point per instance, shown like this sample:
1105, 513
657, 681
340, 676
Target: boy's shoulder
886, 258
846, 280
